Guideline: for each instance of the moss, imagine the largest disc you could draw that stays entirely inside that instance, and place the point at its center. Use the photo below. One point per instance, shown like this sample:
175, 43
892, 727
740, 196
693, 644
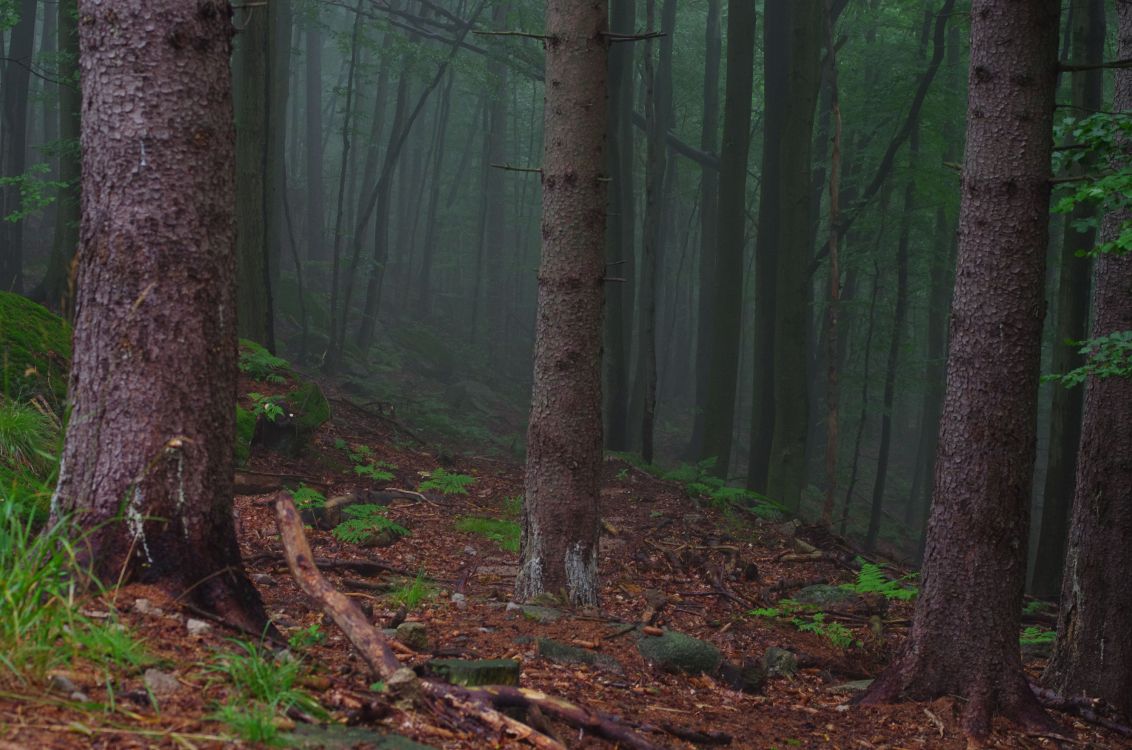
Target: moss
245, 428
35, 350
310, 407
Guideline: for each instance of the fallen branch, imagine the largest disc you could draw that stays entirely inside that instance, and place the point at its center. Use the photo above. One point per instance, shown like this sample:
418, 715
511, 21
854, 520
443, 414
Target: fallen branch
1087, 709
247, 482
477, 703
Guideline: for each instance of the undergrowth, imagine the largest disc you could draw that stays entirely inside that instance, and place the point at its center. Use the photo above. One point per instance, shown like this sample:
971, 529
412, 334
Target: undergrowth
872, 580
447, 483
503, 533
806, 619
414, 593
259, 364
364, 521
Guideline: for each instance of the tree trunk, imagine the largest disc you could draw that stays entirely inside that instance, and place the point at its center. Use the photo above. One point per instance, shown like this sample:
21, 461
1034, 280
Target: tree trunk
563, 473
14, 88
250, 94
1087, 35
316, 210
495, 228
709, 215
1093, 655
56, 289
964, 635
719, 417
424, 278
278, 89
147, 461
792, 278
621, 230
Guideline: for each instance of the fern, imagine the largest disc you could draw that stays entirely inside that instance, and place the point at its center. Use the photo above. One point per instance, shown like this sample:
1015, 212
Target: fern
1034, 635
307, 499
872, 580
365, 521
446, 483
260, 364
373, 472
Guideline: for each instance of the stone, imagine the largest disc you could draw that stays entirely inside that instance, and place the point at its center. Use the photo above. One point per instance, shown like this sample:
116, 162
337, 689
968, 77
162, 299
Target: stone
677, 652
414, 635
823, 595
778, 662
856, 686
161, 684
460, 600
539, 614
144, 607
197, 627
747, 677
342, 737
565, 654
475, 672
61, 683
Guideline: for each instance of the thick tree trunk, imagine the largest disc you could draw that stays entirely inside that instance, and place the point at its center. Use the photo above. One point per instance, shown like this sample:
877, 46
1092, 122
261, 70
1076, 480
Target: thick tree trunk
719, 417
250, 93
786, 476
621, 230
1093, 655
316, 210
278, 89
147, 462
562, 488
1087, 36
964, 636
709, 215
14, 90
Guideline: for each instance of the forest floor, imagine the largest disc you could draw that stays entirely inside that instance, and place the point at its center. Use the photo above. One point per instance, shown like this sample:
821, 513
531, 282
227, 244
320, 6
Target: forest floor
666, 560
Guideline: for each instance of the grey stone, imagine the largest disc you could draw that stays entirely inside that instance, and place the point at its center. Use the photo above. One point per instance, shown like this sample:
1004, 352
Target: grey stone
144, 607
677, 652
459, 600
414, 635
541, 614
748, 677
197, 627
475, 672
779, 662
564, 654
160, 683
263, 579
61, 683
856, 686
823, 595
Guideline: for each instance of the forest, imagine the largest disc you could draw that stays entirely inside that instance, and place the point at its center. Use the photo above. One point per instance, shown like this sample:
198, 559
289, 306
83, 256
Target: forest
578, 373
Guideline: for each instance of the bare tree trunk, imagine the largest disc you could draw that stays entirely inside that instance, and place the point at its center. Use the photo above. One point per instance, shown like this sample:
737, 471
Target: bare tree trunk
147, 462
964, 635
424, 279
56, 291
14, 89
719, 418
621, 230
316, 208
1087, 35
278, 88
1093, 655
561, 511
709, 215
832, 315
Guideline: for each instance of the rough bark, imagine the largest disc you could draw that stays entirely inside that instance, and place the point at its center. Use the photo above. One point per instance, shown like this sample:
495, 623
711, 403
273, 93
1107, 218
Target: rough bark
250, 93
316, 210
1086, 47
1093, 655
726, 316
561, 509
147, 462
964, 635
792, 278
14, 89
278, 92
709, 215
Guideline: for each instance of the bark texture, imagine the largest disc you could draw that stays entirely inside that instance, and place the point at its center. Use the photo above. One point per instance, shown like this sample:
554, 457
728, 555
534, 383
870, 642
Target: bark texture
964, 636
147, 462
1094, 651
14, 89
564, 438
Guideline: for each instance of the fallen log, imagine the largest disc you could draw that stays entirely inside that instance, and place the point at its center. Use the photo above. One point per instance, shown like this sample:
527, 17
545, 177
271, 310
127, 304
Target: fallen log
479, 704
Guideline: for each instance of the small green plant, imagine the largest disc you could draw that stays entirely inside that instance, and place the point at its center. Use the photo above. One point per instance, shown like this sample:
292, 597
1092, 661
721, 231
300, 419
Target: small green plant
303, 639
1034, 635
513, 506
374, 471
28, 437
259, 364
447, 483
112, 644
504, 533
264, 689
872, 580
622, 475
806, 619
365, 521
412, 595
308, 499
266, 405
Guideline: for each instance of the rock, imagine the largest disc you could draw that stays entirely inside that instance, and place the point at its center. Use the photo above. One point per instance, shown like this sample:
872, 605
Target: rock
161, 684
262, 579
677, 652
564, 654
79, 697
541, 615
61, 683
459, 600
470, 550
143, 607
197, 627
341, 737
823, 595
414, 635
779, 662
475, 672
748, 677
856, 686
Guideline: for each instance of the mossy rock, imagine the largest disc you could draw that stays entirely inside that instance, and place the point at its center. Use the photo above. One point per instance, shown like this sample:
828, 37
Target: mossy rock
305, 409
35, 350
823, 595
677, 652
565, 654
310, 407
475, 672
245, 429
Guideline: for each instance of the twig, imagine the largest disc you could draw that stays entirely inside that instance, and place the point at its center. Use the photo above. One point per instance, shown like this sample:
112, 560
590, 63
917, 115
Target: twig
526, 34
509, 168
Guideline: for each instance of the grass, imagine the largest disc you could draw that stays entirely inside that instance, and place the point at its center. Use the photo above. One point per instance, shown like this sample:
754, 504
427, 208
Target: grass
412, 595
504, 533
28, 438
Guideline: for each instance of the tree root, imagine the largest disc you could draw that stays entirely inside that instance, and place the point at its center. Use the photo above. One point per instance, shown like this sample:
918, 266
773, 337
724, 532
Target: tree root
1091, 710
479, 704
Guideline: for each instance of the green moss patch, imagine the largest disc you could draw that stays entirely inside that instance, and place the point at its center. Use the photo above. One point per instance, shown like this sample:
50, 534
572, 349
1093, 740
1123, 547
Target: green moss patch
35, 350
